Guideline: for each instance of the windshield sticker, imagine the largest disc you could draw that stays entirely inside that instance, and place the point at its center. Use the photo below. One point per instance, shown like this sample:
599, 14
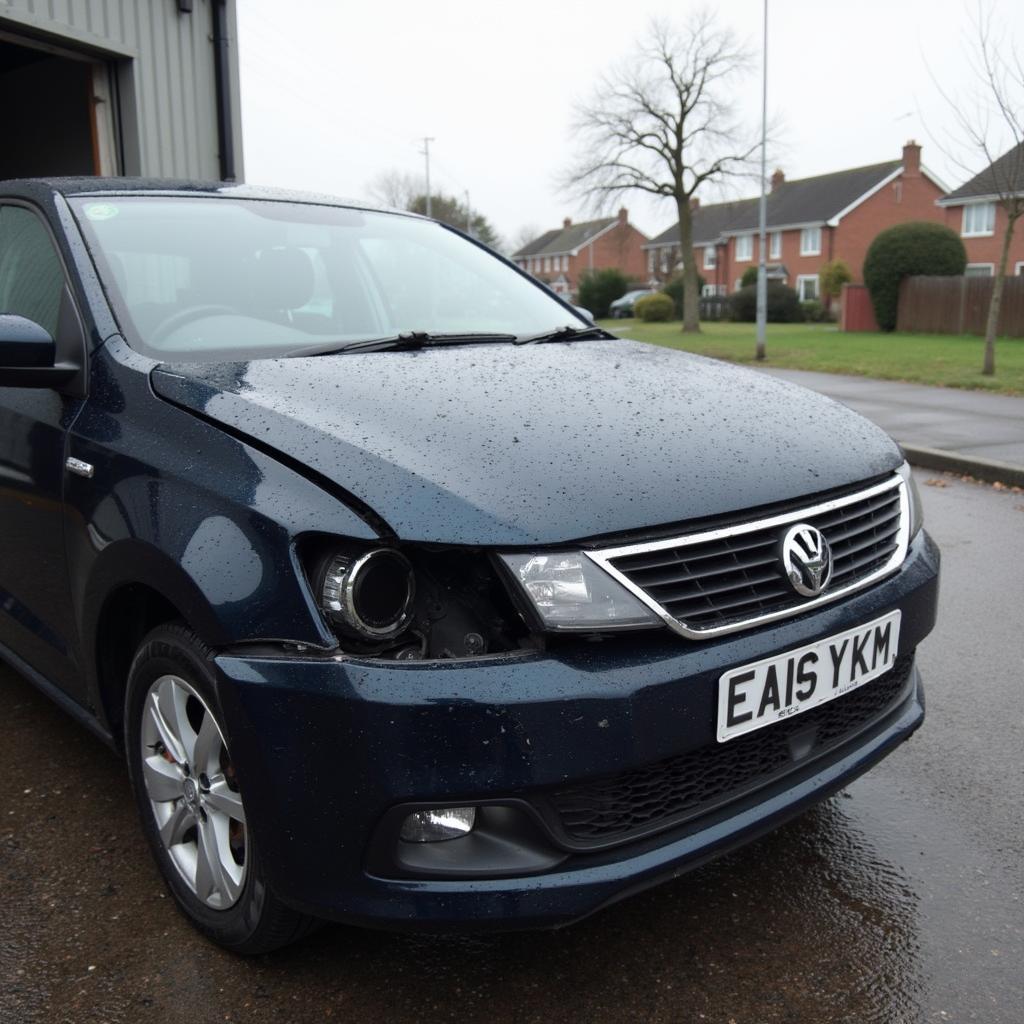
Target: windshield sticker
100, 211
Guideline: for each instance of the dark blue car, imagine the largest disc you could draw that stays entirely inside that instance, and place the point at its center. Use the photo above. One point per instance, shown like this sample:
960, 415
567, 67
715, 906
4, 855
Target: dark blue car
411, 598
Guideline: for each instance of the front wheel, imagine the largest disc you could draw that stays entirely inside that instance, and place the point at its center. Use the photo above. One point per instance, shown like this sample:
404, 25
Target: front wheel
190, 797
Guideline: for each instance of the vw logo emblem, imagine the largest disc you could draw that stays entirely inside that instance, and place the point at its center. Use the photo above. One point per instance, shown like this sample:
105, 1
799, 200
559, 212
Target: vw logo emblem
806, 559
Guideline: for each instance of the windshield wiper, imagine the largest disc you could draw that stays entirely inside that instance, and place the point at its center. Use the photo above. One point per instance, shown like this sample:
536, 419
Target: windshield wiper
567, 333
407, 341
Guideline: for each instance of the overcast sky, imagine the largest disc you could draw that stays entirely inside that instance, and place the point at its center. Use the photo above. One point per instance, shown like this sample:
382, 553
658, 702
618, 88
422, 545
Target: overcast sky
334, 93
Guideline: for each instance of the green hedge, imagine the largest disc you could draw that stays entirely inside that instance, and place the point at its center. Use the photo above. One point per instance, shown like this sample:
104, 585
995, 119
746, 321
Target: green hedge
783, 304
917, 247
654, 308
599, 289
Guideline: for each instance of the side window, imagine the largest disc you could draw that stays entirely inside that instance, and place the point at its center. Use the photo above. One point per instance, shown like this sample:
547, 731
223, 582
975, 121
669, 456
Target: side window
31, 275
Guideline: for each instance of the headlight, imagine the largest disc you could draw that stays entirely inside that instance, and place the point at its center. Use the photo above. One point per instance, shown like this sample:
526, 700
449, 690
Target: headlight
913, 499
569, 592
370, 594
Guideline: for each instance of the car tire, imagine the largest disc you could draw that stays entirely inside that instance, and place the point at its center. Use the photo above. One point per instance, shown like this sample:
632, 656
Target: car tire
205, 852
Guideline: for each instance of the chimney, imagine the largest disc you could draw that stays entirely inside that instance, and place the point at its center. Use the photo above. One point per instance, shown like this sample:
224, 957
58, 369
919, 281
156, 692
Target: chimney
694, 203
623, 216
911, 159
567, 223
777, 178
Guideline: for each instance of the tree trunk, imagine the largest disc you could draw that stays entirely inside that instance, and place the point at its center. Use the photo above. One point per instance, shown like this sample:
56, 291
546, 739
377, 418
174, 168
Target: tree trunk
992, 324
691, 296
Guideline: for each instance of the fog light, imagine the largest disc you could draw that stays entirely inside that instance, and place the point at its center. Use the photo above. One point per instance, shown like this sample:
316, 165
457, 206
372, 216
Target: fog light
438, 824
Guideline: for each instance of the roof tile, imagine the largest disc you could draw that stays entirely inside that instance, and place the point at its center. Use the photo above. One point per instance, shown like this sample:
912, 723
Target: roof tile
805, 201
565, 239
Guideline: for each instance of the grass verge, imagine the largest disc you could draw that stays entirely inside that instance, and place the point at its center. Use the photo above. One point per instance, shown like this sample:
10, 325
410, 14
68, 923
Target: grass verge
943, 360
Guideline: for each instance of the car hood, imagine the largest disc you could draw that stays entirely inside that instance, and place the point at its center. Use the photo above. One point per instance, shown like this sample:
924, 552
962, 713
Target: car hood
538, 444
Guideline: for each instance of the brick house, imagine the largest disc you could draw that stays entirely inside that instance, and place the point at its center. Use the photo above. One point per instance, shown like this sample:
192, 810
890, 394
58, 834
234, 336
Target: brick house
561, 256
809, 222
975, 213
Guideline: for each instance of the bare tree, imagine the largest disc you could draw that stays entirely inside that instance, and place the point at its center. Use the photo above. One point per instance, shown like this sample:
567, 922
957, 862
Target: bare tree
987, 117
396, 188
664, 123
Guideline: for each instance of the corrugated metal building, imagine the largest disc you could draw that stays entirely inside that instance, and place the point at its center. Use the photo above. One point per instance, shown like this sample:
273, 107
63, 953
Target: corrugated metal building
144, 87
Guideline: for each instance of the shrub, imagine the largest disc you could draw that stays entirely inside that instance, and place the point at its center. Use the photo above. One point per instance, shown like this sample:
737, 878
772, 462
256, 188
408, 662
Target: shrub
916, 247
749, 277
783, 304
816, 313
833, 276
600, 288
674, 290
657, 307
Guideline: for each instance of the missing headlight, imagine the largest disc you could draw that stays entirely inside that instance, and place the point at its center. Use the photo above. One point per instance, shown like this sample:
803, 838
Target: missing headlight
371, 595
415, 603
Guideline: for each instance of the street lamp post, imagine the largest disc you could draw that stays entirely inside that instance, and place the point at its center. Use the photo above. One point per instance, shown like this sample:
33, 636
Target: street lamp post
762, 269
427, 140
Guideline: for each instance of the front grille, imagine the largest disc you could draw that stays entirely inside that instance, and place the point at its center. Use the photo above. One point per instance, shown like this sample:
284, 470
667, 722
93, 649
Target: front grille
727, 579
646, 800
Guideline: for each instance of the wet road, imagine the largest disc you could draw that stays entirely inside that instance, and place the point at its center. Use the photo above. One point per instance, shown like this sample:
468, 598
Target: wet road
898, 900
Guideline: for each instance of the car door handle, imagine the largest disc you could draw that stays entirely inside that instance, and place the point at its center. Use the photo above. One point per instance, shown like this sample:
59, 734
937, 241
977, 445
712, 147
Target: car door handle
79, 468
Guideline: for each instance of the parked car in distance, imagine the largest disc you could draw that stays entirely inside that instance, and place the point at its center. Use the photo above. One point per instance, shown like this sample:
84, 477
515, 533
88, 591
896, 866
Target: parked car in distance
622, 308
411, 599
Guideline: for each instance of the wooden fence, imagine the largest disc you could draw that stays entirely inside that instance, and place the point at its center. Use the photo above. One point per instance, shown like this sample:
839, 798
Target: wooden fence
856, 313
959, 305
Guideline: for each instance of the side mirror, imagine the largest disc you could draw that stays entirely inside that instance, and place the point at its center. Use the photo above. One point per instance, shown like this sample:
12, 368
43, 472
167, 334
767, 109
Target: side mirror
585, 313
28, 358
23, 343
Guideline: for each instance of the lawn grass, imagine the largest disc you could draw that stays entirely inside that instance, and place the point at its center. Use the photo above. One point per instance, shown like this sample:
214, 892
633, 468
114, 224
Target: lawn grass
940, 359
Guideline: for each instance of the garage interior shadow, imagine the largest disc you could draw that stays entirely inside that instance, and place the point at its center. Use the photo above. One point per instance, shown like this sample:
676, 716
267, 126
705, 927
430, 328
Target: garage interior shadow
810, 923
47, 104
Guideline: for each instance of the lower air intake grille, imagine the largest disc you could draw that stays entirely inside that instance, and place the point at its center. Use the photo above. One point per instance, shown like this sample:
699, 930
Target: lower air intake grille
636, 803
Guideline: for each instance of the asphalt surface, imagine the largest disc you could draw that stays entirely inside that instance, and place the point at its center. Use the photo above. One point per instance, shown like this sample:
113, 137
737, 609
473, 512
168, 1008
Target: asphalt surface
973, 423
898, 900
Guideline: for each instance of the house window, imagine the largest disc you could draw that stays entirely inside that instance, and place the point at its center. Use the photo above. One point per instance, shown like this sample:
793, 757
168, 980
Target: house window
565, 263
807, 287
710, 257
979, 219
810, 242
775, 246
547, 264
1019, 272
979, 270
650, 261
744, 248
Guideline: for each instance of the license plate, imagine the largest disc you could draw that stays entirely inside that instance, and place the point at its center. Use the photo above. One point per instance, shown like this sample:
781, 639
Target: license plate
755, 695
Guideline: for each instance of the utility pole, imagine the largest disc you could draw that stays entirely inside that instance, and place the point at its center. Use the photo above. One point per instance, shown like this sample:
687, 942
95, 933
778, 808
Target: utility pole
427, 140
762, 270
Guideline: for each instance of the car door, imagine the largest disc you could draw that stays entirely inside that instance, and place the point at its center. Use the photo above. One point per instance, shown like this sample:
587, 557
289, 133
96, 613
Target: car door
36, 617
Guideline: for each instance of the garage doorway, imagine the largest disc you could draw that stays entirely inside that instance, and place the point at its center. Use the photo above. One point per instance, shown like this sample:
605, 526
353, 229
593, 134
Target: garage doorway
58, 116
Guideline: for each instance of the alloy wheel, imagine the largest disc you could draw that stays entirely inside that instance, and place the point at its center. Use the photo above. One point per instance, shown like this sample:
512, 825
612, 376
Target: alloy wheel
190, 782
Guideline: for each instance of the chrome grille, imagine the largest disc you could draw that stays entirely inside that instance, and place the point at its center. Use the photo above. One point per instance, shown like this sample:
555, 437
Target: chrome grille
719, 581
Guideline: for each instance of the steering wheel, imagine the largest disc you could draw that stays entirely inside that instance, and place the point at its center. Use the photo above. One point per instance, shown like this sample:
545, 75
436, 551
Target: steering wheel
186, 316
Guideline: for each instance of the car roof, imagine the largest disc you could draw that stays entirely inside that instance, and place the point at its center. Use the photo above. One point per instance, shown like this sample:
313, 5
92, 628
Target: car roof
86, 186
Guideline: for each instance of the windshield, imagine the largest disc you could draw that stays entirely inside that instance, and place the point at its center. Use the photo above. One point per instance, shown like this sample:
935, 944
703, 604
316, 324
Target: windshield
213, 279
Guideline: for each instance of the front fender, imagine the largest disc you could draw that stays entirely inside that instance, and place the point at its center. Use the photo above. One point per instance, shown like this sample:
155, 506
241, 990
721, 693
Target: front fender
199, 516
